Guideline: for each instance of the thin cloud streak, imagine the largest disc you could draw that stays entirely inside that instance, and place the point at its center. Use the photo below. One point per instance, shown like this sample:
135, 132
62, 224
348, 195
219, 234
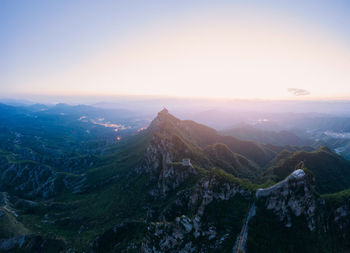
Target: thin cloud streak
298, 92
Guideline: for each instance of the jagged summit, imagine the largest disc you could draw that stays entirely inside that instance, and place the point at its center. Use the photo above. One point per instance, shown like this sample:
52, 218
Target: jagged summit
164, 114
163, 121
164, 111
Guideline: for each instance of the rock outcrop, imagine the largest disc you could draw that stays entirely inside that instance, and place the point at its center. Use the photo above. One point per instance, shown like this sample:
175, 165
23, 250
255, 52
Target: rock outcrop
342, 219
182, 233
294, 196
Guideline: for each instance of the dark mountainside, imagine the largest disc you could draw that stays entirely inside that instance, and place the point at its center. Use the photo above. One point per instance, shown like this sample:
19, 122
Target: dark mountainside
140, 194
248, 132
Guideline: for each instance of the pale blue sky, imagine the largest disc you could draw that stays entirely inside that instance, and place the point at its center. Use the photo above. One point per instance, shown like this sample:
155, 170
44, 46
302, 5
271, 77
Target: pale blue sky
56, 38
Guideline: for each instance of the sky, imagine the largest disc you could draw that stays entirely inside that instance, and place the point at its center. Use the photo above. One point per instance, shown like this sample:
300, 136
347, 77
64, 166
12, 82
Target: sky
186, 48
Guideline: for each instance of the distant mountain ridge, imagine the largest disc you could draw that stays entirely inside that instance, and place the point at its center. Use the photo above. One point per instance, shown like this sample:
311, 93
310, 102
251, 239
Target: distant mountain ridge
281, 138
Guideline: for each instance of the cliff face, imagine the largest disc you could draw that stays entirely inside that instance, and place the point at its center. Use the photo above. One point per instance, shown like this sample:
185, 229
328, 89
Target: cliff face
162, 159
159, 163
190, 219
341, 221
294, 196
292, 215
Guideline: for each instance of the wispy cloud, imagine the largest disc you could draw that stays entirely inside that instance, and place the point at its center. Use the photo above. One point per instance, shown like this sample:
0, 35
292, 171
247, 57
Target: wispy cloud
298, 92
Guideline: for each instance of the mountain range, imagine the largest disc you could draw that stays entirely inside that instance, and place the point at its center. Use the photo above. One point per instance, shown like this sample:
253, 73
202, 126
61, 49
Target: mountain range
68, 185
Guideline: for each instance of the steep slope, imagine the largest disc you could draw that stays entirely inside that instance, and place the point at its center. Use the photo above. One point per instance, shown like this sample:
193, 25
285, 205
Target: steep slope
292, 217
199, 143
331, 171
222, 157
284, 200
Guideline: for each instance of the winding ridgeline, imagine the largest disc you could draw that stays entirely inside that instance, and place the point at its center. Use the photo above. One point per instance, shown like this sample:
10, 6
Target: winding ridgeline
144, 195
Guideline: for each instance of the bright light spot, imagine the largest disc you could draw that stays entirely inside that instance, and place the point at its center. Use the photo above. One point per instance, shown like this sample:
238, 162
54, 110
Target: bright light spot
141, 129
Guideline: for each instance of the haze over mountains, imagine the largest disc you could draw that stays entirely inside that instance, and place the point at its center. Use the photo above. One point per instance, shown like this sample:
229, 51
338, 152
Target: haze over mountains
174, 126
83, 178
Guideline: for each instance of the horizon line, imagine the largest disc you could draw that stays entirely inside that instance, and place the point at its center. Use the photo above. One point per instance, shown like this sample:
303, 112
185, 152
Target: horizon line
29, 96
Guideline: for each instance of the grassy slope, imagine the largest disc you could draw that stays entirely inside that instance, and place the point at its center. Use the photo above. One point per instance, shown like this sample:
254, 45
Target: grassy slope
331, 171
10, 226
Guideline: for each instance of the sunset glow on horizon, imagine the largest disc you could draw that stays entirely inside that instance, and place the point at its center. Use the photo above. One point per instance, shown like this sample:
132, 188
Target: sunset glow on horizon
238, 52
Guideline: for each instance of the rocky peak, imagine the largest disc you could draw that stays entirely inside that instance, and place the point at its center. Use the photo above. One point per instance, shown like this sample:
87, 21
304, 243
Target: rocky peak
295, 179
163, 115
294, 196
163, 112
163, 121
